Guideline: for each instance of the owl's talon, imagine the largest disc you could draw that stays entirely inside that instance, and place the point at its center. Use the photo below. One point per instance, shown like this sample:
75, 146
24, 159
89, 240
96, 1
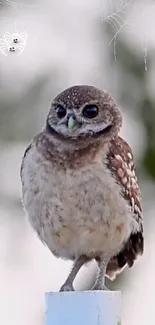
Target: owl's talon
66, 287
99, 287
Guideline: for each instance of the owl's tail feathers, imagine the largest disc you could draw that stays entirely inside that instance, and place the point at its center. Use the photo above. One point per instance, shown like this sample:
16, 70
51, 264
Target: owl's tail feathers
127, 256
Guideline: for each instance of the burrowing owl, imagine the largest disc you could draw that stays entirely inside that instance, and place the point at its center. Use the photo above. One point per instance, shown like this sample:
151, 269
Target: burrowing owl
79, 186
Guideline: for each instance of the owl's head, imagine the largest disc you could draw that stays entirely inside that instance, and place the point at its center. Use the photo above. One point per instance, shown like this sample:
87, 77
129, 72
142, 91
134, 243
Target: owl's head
84, 113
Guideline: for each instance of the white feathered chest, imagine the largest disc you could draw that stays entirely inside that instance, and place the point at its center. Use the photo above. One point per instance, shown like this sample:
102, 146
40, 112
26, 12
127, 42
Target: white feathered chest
75, 211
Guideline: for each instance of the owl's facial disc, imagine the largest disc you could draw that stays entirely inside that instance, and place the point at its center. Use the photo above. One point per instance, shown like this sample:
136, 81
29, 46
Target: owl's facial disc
84, 112
73, 124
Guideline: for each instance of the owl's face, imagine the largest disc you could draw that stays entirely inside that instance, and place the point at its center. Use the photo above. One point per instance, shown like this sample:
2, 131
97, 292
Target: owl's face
84, 112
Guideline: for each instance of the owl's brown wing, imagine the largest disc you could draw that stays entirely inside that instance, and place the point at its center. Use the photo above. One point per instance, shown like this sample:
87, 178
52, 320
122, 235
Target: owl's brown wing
120, 163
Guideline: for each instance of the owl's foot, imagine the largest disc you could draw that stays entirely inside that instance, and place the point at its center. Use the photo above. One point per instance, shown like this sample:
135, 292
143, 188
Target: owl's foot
100, 280
66, 287
99, 287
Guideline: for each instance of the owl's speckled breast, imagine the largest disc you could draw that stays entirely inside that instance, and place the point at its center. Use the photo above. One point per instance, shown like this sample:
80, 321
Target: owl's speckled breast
77, 212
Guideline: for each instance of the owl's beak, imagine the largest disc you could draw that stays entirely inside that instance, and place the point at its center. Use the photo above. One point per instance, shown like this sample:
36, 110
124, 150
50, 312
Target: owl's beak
72, 122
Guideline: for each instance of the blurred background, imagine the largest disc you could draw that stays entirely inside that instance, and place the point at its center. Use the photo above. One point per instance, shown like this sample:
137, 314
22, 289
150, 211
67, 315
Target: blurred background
111, 45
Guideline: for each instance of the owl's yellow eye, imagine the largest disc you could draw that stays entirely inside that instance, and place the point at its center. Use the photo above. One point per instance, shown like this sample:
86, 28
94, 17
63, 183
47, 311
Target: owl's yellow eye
61, 112
90, 111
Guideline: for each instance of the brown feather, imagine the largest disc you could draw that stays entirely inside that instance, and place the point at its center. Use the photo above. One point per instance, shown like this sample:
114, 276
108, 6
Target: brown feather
120, 162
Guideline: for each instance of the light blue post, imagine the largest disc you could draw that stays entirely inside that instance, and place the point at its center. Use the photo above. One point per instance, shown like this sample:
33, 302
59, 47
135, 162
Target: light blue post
83, 308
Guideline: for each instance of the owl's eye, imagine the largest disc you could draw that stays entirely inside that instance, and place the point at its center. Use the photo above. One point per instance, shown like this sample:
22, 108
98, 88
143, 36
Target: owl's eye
61, 112
90, 111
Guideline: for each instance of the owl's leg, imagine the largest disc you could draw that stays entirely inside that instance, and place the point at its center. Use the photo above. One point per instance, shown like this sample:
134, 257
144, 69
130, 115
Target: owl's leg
68, 285
100, 279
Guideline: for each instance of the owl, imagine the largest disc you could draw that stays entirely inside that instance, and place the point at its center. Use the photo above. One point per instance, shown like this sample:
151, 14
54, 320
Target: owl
79, 187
